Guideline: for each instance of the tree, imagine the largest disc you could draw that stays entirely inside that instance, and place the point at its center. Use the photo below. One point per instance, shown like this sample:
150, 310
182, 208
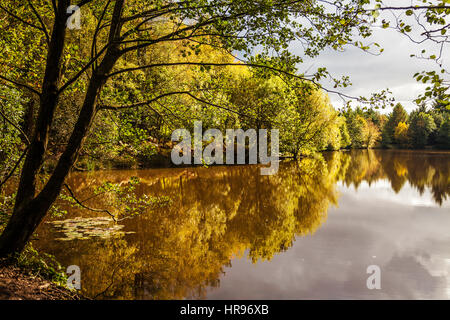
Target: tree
118, 32
420, 126
357, 128
438, 118
345, 136
398, 114
425, 22
308, 122
257, 100
444, 134
372, 134
401, 133
11, 146
96, 68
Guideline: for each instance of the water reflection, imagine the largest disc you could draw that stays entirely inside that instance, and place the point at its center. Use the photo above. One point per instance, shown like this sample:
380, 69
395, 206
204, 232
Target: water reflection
420, 169
195, 248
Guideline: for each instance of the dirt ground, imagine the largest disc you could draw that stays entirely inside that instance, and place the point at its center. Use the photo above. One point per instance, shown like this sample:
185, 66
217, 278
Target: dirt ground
16, 284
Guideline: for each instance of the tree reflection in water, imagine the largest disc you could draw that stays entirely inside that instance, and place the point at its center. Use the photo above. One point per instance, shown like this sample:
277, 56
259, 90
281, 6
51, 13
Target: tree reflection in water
220, 213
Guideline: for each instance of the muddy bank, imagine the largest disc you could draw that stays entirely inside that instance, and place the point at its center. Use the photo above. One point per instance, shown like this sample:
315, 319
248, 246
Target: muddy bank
17, 284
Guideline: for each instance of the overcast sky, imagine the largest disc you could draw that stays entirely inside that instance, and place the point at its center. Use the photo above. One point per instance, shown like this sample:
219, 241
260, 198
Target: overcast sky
393, 69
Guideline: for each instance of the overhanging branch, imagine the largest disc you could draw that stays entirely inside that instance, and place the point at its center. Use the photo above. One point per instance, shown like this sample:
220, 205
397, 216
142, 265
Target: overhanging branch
20, 85
86, 207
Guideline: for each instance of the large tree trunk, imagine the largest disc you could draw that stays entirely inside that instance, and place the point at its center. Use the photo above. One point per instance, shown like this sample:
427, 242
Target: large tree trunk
27, 123
28, 215
29, 210
48, 103
20, 227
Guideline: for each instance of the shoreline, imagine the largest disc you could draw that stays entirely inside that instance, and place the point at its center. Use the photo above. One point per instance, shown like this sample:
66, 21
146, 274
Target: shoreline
19, 284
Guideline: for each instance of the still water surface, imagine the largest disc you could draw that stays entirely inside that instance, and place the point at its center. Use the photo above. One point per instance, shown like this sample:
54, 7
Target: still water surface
309, 232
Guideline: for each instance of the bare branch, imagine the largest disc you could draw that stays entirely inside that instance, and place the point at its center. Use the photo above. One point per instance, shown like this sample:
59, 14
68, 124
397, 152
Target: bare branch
411, 8
20, 19
253, 65
97, 30
139, 104
14, 168
44, 29
83, 2
86, 207
83, 70
15, 126
216, 105
189, 93
20, 85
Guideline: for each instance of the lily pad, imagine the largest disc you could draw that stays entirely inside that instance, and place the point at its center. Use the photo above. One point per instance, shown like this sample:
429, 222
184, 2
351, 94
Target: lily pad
87, 228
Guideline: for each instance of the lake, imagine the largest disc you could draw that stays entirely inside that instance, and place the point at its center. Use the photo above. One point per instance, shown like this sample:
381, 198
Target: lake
309, 232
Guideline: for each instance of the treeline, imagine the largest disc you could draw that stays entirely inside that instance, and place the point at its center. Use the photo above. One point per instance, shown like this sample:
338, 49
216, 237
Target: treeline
423, 127
221, 94
126, 134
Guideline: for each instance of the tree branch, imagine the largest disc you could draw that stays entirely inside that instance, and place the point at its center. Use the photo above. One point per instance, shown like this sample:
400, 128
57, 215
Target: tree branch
75, 77
20, 19
44, 29
189, 93
139, 104
411, 8
14, 168
253, 65
86, 207
15, 126
20, 85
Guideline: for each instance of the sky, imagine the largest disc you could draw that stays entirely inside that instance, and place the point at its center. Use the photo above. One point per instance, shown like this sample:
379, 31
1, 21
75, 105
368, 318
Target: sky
393, 69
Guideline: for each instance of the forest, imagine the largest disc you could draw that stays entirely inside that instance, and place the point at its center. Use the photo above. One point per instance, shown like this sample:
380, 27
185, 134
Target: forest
110, 93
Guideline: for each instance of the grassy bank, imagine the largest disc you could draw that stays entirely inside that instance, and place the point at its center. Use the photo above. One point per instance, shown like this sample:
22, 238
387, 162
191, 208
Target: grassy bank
17, 283
34, 276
